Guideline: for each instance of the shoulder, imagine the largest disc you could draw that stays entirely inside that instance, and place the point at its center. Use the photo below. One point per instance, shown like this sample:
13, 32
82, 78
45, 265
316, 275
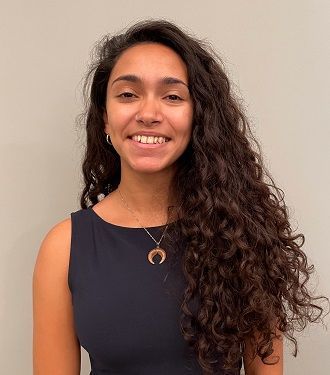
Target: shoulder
58, 238
59, 232
50, 272
54, 251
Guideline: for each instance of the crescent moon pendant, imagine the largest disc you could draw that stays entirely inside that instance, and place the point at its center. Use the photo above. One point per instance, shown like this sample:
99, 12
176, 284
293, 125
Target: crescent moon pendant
154, 252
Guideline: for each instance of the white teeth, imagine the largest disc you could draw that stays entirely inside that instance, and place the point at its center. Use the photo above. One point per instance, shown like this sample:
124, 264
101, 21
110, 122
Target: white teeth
149, 139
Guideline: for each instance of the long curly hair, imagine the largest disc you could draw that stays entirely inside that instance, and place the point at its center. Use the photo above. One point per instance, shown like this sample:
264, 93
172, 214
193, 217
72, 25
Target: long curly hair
240, 257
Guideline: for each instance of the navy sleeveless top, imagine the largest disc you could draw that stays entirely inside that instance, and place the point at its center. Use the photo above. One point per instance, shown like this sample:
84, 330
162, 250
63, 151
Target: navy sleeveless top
126, 310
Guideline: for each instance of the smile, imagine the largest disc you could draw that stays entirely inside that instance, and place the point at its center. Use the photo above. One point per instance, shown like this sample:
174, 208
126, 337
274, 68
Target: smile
141, 145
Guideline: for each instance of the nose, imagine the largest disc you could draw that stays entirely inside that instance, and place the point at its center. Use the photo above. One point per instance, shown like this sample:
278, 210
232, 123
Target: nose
149, 111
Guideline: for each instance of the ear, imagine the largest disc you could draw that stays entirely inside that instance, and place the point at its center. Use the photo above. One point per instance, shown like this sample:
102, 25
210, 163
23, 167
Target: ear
105, 120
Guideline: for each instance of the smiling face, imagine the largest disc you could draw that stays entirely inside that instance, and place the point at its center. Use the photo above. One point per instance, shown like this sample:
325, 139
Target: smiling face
148, 95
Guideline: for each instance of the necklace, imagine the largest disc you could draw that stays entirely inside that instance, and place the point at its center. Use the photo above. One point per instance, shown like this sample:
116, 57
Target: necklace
157, 250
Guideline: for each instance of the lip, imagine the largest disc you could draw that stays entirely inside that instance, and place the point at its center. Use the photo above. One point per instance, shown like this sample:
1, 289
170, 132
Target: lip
140, 145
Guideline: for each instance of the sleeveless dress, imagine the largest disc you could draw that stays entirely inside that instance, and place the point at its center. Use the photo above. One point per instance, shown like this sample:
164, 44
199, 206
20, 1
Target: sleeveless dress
126, 310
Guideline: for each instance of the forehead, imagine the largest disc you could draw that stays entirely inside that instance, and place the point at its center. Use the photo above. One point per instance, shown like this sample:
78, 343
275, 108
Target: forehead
150, 60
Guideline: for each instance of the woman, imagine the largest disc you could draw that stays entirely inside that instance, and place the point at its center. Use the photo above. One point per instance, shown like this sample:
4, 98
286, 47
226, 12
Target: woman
181, 259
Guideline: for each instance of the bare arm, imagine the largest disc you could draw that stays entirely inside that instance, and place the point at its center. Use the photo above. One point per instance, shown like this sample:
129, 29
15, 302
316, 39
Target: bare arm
56, 350
257, 367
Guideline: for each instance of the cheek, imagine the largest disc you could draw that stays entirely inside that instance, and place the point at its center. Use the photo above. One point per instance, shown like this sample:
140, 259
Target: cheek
119, 115
182, 120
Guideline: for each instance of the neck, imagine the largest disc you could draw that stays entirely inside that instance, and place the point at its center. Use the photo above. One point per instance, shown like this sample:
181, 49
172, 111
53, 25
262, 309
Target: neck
148, 195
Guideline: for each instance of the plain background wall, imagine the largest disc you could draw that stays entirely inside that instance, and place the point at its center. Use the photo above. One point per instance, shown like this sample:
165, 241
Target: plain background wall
277, 54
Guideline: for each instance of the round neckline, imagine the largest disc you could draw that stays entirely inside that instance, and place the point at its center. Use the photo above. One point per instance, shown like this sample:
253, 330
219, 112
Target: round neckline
90, 208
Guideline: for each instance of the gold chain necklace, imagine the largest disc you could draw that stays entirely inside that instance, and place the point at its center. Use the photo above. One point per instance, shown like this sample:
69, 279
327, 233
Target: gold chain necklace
157, 250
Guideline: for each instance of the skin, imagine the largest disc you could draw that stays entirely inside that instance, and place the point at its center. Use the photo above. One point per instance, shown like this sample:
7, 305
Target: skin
56, 350
145, 104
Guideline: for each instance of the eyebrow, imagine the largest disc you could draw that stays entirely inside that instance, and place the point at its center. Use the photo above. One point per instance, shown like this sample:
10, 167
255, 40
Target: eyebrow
135, 79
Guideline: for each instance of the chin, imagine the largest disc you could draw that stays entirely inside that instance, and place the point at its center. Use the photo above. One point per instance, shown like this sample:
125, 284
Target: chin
149, 169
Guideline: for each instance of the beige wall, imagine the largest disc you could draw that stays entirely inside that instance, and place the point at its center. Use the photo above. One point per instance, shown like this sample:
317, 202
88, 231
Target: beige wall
277, 52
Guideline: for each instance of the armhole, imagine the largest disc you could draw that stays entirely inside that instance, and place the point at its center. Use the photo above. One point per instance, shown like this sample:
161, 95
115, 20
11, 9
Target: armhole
70, 266
80, 232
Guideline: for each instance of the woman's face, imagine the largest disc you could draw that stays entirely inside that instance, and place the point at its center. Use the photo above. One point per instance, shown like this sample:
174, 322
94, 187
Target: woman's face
148, 96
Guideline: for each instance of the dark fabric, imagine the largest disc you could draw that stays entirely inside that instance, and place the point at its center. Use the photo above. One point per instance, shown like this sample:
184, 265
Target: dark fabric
126, 310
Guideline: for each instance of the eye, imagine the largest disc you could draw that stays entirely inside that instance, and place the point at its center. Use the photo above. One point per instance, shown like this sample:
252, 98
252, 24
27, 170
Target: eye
126, 95
174, 97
